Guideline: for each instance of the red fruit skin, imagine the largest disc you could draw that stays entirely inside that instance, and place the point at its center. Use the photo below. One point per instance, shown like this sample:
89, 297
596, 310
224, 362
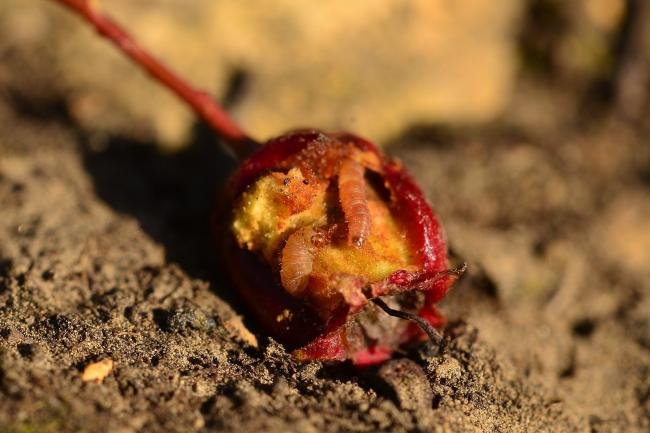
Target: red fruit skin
302, 332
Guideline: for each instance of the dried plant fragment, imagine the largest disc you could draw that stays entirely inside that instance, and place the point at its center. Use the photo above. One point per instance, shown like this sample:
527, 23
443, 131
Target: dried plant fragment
97, 371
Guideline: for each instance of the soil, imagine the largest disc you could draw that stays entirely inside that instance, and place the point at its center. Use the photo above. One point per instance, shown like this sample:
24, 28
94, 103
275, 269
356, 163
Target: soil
106, 254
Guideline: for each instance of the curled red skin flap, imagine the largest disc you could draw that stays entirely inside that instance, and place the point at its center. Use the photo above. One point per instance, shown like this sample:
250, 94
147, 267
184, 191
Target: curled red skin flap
267, 299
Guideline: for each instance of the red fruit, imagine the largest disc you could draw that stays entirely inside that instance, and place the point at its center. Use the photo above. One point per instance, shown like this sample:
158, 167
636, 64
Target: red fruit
314, 331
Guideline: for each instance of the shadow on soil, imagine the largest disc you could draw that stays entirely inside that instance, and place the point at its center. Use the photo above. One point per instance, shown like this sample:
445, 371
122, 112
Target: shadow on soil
172, 196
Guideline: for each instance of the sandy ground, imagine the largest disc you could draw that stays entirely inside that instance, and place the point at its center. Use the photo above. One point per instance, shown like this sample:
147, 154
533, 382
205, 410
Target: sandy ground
106, 254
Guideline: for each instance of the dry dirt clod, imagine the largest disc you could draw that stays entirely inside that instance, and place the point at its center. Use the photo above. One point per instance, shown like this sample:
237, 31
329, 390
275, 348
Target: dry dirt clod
409, 383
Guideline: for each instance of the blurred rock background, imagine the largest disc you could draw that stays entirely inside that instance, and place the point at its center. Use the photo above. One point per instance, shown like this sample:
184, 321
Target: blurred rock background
376, 68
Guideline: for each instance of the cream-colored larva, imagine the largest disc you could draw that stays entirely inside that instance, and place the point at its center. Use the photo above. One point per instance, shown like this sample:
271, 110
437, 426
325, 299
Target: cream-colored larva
297, 261
352, 194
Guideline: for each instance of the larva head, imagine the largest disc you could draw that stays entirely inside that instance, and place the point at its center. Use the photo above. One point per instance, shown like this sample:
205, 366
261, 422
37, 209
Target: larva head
321, 224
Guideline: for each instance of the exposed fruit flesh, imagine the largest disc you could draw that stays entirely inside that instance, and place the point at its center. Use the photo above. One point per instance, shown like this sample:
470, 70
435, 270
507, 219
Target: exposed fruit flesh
272, 214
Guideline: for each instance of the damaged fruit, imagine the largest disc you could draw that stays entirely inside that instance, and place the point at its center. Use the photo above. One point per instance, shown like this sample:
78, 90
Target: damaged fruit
330, 242
320, 226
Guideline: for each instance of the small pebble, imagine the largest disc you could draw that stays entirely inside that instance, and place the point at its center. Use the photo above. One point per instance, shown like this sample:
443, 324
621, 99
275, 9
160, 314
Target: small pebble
184, 321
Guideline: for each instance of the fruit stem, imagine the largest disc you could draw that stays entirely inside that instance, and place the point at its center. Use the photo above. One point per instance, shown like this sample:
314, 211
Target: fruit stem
202, 104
